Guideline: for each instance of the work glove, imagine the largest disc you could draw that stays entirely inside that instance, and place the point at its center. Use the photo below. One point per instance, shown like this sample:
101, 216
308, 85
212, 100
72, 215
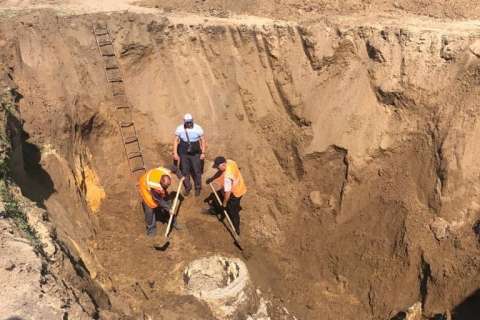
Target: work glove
163, 204
209, 180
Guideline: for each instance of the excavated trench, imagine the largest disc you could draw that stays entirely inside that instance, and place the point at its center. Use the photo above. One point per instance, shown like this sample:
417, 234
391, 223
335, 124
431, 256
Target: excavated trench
357, 140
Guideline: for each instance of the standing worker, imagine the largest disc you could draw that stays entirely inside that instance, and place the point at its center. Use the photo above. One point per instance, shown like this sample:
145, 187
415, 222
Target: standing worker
189, 148
230, 178
153, 188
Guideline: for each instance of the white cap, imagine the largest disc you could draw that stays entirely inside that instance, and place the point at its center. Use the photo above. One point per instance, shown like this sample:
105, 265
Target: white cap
187, 117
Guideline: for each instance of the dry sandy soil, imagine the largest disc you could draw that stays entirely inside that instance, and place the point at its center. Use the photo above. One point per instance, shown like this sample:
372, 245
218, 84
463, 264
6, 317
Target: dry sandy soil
355, 126
304, 9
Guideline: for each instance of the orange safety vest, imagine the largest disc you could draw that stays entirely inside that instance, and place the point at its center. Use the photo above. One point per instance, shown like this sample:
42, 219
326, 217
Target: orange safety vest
151, 181
232, 172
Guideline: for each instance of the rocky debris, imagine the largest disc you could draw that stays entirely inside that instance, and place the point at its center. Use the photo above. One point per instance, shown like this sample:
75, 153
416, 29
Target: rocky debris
10, 266
38, 220
414, 312
267, 310
440, 228
374, 52
475, 48
316, 198
320, 200
29, 289
451, 49
262, 312
135, 51
20, 274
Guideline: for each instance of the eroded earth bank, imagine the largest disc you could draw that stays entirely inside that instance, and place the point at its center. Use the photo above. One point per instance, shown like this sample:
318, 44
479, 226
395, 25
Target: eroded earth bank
358, 139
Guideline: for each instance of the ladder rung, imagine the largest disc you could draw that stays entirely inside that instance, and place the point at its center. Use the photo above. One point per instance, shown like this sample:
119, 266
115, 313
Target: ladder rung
131, 139
114, 73
117, 92
115, 80
102, 31
118, 89
111, 67
132, 155
120, 100
104, 43
99, 33
125, 124
110, 63
107, 50
138, 169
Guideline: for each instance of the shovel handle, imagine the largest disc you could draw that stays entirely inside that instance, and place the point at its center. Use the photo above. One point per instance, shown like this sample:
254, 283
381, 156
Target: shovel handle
235, 235
173, 209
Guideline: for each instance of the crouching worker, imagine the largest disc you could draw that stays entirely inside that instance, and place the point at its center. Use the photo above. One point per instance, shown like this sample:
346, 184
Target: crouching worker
153, 187
233, 188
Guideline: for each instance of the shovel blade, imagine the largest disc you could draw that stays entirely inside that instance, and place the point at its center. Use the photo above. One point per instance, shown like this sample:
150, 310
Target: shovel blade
162, 246
238, 243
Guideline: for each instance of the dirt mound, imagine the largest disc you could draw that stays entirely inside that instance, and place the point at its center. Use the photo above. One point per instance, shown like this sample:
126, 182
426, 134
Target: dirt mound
357, 139
295, 10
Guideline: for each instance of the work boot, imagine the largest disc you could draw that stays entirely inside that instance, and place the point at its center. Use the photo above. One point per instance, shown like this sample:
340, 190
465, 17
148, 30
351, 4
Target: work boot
209, 210
221, 216
197, 192
186, 193
151, 231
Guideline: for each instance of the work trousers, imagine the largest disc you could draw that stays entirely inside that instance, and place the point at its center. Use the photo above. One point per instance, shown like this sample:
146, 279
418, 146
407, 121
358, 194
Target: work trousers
191, 165
151, 217
233, 208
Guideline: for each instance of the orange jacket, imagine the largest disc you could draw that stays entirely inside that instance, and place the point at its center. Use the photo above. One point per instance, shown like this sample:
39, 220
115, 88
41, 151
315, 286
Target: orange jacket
150, 182
233, 172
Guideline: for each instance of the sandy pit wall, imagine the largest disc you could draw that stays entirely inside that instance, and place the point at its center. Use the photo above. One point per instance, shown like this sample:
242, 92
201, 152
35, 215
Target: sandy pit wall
369, 131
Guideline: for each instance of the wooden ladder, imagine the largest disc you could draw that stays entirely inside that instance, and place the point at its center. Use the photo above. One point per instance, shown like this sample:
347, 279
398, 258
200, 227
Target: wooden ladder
123, 110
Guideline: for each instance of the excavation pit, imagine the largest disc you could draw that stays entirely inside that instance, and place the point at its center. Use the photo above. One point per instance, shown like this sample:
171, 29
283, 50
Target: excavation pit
352, 137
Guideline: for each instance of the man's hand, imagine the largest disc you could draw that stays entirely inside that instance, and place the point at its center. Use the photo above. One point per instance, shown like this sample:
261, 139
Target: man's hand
209, 180
202, 156
226, 198
176, 157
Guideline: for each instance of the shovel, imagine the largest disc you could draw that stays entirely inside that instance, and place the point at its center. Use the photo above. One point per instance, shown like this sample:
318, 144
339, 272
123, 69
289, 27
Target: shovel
232, 228
162, 246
